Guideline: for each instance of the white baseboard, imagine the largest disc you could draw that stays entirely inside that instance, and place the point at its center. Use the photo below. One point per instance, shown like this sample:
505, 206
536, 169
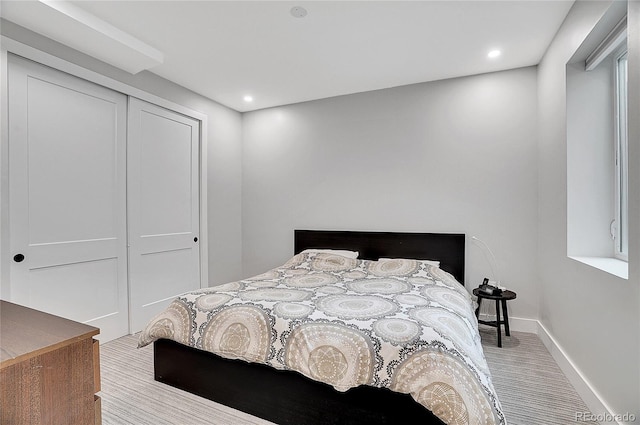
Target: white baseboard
602, 413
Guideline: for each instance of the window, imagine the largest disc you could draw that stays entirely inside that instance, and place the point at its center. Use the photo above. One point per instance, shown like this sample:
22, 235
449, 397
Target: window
597, 147
621, 221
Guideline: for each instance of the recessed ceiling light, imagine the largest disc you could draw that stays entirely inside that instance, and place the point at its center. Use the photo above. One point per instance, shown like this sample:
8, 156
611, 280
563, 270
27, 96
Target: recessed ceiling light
494, 53
248, 98
298, 12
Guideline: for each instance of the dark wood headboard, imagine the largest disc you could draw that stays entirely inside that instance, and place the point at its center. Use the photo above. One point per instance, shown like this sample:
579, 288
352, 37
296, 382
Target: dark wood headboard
448, 248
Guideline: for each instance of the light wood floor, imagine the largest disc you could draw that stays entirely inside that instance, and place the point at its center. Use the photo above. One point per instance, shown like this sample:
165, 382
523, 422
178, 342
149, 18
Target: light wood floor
530, 385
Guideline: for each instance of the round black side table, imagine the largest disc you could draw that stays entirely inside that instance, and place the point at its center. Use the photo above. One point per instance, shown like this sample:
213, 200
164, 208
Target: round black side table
501, 300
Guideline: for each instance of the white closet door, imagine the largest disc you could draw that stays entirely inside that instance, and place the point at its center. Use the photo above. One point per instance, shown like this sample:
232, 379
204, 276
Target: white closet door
163, 205
67, 172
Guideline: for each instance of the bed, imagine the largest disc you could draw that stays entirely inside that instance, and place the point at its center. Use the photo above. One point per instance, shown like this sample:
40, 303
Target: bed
373, 328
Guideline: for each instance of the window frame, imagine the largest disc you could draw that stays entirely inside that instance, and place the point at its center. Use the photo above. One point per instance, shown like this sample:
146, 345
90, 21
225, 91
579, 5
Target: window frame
621, 221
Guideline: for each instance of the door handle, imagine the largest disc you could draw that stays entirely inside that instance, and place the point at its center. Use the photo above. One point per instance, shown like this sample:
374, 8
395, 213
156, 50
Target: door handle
18, 258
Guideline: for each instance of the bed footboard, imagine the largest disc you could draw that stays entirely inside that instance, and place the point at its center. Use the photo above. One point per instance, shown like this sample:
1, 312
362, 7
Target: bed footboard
282, 397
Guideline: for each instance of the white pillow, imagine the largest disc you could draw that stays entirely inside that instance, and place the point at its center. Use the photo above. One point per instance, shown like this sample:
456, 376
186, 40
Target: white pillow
341, 252
434, 263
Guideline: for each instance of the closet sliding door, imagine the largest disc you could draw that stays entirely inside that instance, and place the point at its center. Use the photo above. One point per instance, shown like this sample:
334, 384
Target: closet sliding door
103, 201
163, 205
67, 196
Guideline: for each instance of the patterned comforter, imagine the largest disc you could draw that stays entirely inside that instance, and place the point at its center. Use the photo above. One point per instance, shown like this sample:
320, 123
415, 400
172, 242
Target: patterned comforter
402, 324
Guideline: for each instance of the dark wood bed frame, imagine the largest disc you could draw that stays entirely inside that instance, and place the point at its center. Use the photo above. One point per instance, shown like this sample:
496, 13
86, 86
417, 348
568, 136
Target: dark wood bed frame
286, 397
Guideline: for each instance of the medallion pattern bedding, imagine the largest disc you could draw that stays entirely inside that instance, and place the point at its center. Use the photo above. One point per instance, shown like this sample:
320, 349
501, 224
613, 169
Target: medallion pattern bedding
402, 324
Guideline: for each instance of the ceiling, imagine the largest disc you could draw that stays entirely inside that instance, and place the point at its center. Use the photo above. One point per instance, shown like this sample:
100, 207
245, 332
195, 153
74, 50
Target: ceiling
226, 50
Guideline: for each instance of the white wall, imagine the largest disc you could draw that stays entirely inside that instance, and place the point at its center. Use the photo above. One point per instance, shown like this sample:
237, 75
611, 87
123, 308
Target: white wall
223, 150
456, 155
593, 316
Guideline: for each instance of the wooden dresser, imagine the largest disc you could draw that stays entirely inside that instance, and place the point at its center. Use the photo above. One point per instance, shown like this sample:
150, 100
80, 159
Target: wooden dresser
49, 369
